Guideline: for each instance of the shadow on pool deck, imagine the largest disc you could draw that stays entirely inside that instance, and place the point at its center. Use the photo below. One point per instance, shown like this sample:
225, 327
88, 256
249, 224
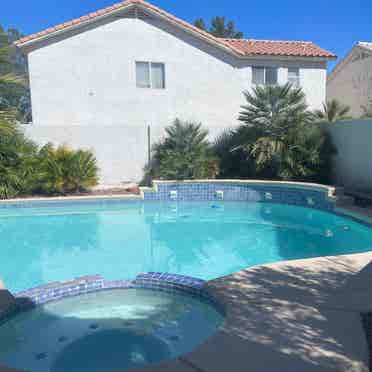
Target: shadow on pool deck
296, 316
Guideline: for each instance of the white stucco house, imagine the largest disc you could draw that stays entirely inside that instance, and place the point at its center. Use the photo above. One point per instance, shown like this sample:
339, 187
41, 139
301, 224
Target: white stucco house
99, 80
350, 82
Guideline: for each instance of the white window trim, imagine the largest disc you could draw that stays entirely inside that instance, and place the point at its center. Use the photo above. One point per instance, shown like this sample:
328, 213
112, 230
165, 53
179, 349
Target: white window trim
264, 69
149, 65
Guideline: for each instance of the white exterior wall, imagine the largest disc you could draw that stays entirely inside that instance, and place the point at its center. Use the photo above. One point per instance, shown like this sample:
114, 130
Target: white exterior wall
352, 85
84, 92
89, 78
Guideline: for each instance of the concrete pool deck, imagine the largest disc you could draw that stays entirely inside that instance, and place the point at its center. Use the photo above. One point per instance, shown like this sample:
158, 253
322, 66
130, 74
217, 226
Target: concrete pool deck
299, 316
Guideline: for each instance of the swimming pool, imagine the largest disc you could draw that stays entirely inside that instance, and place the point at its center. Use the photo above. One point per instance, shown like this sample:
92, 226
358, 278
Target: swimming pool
110, 330
206, 239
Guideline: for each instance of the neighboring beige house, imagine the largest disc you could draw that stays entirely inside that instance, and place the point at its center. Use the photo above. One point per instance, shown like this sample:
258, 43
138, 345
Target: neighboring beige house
99, 80
350, 82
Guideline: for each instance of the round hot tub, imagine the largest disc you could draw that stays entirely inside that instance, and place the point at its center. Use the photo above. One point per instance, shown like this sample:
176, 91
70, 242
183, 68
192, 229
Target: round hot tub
110, 331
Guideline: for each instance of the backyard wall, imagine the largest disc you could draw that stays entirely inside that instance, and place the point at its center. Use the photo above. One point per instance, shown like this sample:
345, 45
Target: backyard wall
353, 163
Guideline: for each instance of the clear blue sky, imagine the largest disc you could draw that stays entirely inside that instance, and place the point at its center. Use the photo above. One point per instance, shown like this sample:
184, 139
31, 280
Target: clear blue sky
333, 24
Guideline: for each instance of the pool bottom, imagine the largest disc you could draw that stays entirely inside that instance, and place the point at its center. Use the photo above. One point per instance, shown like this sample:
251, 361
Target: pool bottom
110, 330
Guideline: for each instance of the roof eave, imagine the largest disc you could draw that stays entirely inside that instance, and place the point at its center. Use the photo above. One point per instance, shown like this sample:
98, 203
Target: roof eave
345, 60
81, 24
208, 38
290, 57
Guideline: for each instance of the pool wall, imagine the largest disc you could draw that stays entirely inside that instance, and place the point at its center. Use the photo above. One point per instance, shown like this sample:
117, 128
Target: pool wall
294, 193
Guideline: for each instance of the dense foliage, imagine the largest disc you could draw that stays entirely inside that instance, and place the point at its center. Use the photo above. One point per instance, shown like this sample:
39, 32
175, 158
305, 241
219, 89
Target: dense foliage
27, 170
279, 139
184, 153
14, 89
63, 170
333, 111
367, 109
233, 160
17, 161
220, 28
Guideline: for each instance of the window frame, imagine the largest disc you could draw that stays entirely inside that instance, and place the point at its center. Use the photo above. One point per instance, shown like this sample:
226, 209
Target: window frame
264, 68
298, 83
150, 73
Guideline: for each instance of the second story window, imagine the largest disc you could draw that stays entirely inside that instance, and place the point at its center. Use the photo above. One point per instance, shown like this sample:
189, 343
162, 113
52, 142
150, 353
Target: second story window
264, 75
150, 75
294, 76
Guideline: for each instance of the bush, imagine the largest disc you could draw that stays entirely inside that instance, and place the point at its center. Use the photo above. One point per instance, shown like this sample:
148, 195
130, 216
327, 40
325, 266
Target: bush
26, 170
17, 162
229, 148
184, 153
63, 170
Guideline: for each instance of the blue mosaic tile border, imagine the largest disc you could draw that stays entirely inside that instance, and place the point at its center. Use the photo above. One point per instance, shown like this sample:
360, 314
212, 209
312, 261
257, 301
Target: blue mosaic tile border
170, 283
247, 192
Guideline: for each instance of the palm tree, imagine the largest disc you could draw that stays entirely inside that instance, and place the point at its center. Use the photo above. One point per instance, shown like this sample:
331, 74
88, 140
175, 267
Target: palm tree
184, 153
286, 144
332, 111
274, 109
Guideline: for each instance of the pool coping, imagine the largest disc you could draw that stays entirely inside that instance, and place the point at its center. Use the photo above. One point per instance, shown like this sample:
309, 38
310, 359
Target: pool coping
330, 190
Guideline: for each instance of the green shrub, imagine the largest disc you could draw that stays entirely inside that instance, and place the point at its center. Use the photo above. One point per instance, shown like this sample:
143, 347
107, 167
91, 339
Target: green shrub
26, 170
184, 153
229, 148
333, 111
17, 162
63, 170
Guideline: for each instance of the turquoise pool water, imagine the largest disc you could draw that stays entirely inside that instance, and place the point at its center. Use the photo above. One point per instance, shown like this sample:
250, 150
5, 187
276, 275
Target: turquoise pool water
201, 239
107, 331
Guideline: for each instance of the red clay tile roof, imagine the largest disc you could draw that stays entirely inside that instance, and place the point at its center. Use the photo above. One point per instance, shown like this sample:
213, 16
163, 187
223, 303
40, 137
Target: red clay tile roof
243, 47
279, 48
124, 4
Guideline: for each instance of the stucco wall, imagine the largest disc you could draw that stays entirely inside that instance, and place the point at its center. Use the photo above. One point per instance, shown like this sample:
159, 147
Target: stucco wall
121, 151
352, 85
88, 78
353, 163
